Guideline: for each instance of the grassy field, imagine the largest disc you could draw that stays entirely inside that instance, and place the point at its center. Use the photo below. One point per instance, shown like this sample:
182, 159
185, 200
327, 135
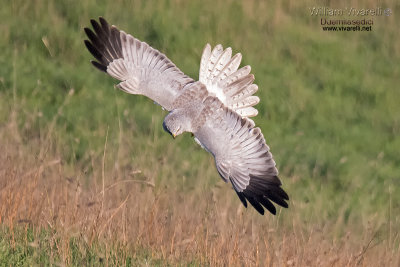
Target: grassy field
89, 177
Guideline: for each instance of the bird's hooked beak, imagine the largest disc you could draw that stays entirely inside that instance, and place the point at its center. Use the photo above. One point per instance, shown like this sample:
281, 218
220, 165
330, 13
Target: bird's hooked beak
168, 131
174, 134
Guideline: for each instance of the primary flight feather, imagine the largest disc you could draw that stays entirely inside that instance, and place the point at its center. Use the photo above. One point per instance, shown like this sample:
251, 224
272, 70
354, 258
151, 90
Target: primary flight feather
215, 108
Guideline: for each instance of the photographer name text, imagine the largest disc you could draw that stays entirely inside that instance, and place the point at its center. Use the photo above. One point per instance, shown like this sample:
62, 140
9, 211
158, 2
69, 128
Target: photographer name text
351, 11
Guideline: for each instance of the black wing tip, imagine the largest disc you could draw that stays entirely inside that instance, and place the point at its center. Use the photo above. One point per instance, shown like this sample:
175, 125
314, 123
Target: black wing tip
99, 66
94, 22
284, 194
100, 24
267, 204
264, 195
93, 50
88, 44
283, 204
90, 47
104, 43
87, 29
104, 22
242, 198
256, 204
90, 34
279, 190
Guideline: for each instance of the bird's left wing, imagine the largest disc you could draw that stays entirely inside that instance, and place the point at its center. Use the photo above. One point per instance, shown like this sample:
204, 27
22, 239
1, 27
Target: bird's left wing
140, 68
241, 156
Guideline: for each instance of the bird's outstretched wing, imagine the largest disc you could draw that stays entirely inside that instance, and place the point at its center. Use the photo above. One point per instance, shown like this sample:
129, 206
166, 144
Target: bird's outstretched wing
140, 68
241, 156
232, 86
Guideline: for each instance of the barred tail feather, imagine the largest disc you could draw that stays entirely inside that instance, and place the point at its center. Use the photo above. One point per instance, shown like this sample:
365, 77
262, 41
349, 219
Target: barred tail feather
232, 86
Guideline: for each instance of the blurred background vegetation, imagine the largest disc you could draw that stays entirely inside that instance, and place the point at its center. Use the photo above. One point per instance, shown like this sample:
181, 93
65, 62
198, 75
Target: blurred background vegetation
329, 101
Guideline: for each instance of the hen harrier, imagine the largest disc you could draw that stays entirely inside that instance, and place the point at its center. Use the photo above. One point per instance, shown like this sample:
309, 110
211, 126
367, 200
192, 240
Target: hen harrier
215, 108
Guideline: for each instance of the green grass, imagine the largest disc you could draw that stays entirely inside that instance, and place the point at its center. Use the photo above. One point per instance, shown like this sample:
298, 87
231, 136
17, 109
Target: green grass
329, 104
25, 247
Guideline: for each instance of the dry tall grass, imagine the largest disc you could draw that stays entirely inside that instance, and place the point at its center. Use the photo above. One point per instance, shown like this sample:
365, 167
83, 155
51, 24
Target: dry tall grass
130, 197
121, 208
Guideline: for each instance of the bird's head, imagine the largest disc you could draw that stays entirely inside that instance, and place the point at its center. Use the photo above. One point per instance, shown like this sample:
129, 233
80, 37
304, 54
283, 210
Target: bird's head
176, 123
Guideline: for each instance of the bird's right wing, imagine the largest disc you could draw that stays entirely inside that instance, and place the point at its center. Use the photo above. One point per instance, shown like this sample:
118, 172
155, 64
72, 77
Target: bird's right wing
140, 68
232, 86
241, 156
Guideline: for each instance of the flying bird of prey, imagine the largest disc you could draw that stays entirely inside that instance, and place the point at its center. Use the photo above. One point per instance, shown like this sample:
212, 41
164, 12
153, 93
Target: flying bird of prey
215, 109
